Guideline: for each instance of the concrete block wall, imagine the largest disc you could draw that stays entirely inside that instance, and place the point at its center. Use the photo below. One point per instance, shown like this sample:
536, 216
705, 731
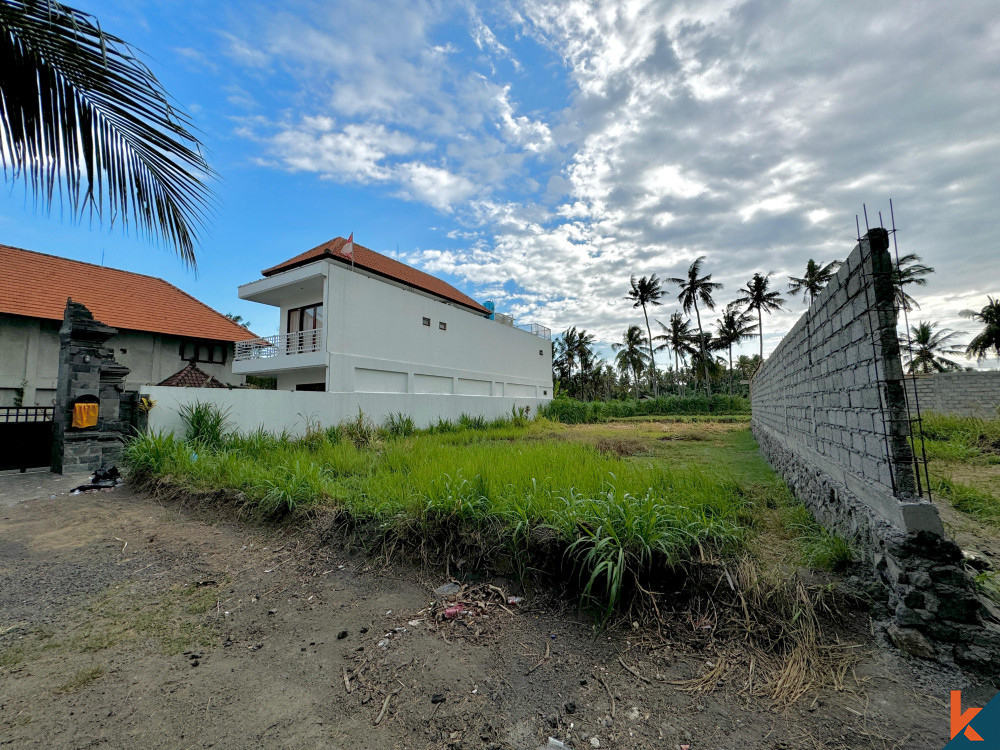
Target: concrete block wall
964, 394
829, 413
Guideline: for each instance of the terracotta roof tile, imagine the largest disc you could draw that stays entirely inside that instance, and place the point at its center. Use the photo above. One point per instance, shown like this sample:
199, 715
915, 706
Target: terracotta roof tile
37, 285
192, 377
381, 265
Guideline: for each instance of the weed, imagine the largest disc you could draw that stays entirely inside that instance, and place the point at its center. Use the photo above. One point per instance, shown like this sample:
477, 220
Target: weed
361, 431
204, 423
468, 422
399, 425
81, 679
976, 502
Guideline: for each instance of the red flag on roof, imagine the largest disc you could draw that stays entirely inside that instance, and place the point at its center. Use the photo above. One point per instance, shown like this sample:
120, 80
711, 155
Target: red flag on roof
348, 248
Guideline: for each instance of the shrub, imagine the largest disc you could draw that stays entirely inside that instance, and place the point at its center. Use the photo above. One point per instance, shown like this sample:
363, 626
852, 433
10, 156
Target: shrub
571, 411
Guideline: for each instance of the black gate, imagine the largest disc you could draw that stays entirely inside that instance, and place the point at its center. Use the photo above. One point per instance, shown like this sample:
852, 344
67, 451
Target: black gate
25, 437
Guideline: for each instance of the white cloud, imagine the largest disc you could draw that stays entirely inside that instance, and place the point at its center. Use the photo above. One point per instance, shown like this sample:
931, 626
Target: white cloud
748, 131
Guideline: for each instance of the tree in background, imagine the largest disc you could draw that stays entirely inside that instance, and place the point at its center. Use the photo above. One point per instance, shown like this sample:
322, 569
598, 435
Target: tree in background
694, 287
929, 348
703, 359
754, 296
646, 291
816, 278
989, 337
631, 355
82, 116
747, 365
733, 327
573, 347
679, 338
909, 272
238, 320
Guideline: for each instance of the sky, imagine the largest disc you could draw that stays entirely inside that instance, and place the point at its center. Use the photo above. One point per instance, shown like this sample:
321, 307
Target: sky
539, 153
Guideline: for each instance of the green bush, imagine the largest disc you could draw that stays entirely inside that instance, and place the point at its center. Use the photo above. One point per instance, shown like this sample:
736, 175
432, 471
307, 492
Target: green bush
571, 411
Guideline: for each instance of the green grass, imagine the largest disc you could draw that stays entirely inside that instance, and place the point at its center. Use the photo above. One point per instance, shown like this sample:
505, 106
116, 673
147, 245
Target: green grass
978, 503
951, 438
616, 502
572, 411
964, 462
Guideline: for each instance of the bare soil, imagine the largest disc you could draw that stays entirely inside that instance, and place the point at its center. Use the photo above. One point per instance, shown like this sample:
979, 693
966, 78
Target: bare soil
128, 622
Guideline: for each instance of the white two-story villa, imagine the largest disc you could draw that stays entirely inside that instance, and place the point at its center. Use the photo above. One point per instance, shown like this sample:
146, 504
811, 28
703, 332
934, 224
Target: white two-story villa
370, 324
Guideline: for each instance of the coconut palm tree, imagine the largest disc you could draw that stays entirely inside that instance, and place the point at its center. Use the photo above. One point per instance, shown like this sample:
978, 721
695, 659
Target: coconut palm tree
678, 338
631, 356
732, 328
989, 337
754, 296
646, 291
694, 287
816, 278
929, 348
82, 116
910, 271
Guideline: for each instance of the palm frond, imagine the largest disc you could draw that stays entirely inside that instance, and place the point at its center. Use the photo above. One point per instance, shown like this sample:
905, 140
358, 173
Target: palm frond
83, 118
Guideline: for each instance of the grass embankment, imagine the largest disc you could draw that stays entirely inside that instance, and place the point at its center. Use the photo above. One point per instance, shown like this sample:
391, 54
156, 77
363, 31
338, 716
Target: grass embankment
617, 504
964, 463
572, 411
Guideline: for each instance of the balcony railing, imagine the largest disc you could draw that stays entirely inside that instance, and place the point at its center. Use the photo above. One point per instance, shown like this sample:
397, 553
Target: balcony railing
266, 347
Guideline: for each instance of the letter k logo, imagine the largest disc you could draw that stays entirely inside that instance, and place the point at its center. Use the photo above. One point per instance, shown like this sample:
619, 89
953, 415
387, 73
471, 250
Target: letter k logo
960, 721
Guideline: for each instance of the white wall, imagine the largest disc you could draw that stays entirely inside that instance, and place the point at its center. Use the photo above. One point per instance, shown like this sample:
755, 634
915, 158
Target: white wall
275, 411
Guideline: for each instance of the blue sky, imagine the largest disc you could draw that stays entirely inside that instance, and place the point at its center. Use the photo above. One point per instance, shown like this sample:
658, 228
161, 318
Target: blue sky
539, 153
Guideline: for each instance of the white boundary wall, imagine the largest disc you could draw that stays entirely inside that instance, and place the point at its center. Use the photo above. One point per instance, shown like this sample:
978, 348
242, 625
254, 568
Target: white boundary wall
291, 411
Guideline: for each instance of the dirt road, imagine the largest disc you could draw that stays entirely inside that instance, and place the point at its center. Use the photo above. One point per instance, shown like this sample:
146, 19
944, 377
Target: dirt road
127, 623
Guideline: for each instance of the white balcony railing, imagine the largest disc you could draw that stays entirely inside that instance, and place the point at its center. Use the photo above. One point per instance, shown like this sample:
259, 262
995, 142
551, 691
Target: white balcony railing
266, 347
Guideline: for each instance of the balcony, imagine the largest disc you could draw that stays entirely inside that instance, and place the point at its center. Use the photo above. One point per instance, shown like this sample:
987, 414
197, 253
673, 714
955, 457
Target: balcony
532, 328
283, 351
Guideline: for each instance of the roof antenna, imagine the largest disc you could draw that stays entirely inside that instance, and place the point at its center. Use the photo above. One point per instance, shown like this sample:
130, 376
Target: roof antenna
102, 257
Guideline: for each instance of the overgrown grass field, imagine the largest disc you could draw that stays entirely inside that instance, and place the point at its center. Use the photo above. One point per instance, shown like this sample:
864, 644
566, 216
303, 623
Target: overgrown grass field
616, 501
964, 463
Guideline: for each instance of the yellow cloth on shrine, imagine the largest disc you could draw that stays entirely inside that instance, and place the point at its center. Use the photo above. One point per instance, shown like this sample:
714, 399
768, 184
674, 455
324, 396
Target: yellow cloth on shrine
84, 415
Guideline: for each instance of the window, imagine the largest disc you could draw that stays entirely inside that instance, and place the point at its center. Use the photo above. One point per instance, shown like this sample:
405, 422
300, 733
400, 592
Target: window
213, 352
427, 322
443, 326
306, 322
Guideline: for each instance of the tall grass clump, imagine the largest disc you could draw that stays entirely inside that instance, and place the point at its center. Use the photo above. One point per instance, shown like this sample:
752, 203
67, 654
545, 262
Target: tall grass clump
571, 411
362, 431
204, 423
154, 454
399, 425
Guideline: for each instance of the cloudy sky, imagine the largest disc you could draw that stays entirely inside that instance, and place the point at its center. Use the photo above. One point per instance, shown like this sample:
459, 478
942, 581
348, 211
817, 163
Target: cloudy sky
539, 153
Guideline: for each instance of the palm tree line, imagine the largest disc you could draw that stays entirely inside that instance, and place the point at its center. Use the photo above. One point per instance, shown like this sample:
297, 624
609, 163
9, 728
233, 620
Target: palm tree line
702, 356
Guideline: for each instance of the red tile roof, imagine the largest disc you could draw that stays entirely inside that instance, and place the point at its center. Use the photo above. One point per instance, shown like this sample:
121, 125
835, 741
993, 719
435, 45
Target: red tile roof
37, 285
192, 377
381, 265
